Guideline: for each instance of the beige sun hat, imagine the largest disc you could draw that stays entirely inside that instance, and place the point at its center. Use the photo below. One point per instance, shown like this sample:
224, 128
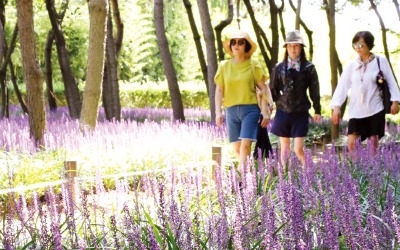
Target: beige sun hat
239, 34
294, 37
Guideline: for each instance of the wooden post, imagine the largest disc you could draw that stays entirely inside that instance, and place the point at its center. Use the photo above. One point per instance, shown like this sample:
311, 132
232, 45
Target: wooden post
70, 168
217, 158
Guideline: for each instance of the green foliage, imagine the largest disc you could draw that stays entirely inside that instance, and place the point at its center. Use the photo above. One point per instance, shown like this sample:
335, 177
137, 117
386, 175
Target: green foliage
140, 57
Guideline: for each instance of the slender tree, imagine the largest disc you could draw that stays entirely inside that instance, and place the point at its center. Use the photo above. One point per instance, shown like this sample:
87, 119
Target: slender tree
308, 32
396, 5
269, 47
383, 32
7, 63
56, 18
220, 27
111, 100
330, 9
72, 94
32, 71
298, 12
4, 90
197, 42
166, 59
212, 63
97, 35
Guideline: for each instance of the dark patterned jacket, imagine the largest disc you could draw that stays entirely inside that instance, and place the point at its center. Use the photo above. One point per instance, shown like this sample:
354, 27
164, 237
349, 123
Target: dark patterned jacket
289, 88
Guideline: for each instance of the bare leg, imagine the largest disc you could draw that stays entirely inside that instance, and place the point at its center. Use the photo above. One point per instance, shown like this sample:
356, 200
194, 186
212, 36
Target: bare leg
285, 149
236, 148
245, 148
351, 142
299, 149
375, 141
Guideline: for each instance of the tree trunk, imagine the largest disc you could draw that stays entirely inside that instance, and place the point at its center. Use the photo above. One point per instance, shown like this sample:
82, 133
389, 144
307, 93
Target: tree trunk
298, 12
384, 37
262, 39
396, 5
166, 59
197, 42
4, 90
51, 99
72, 94
333, 58
111, 100
220, 27
308, 32
119, 25
212, 63
8, 63
97, 35
32, 71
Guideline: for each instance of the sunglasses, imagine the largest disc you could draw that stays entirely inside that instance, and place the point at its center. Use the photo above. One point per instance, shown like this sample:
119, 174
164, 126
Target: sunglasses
358, 45
240, 42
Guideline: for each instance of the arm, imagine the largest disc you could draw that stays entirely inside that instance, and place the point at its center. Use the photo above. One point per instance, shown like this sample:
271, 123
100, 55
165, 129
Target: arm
392, 84
315, 94
340, 94
273, 84
263, 91
219, 93
314, 91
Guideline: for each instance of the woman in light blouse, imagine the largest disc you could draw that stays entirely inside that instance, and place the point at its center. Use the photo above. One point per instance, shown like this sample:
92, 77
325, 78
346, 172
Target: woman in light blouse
366, 112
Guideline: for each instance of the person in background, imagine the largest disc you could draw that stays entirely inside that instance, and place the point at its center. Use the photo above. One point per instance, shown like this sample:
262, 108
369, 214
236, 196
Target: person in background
289, 83
366, 112
236, 79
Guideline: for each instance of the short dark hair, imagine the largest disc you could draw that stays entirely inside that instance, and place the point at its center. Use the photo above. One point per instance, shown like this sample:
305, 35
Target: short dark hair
368, 38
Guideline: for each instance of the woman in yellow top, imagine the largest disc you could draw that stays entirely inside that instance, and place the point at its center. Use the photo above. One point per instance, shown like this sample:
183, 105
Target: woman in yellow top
235, 90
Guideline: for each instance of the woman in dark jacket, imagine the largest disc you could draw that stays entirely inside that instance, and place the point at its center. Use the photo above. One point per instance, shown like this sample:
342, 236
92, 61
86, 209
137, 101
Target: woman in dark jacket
289, 83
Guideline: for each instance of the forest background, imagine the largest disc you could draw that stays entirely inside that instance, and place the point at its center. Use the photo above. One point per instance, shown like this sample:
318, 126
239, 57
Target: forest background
139, 47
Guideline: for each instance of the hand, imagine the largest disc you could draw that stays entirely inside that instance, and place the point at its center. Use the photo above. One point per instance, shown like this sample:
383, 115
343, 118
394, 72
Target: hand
265, 121
317, 118
219, 119
394, 109
336, 115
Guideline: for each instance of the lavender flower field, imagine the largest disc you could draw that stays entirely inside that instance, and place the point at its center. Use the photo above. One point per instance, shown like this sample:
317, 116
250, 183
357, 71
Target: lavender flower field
164, 192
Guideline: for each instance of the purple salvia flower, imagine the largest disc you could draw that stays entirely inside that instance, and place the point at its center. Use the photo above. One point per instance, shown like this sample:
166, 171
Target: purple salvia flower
54, 219
132, 231
356, 211
56, 239
347, 214
237, 232
162, 206
43, 232
9, 234
396, 224
86, 220
70, 215
222, 228
268, 219
152, 240
374, 238
113, 225
329, 230
186, 223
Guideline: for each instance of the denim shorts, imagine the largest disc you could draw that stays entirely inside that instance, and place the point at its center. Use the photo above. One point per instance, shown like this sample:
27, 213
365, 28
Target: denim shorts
291, 125
242, 122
